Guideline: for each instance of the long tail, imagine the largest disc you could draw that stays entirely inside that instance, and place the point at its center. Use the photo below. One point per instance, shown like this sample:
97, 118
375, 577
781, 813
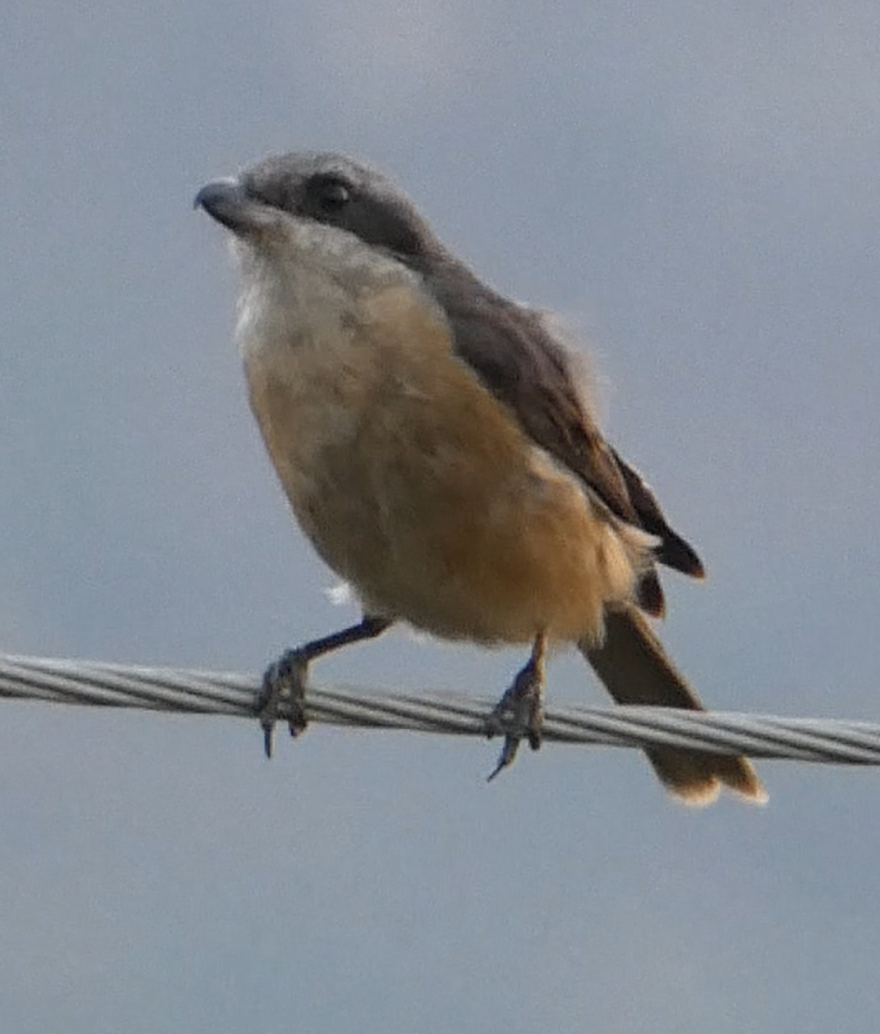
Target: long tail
635, 669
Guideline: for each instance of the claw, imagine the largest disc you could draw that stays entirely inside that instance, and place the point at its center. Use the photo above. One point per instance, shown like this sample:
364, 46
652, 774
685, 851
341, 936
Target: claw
284, 680
268, 729
505, 758
520, 711
266, 706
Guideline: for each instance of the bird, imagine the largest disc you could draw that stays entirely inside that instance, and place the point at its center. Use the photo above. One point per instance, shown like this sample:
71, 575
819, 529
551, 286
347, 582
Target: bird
438, 447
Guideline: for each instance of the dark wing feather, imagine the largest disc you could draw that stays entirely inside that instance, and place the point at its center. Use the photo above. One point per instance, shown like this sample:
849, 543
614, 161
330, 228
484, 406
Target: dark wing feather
521, 364
509, 349
674, 552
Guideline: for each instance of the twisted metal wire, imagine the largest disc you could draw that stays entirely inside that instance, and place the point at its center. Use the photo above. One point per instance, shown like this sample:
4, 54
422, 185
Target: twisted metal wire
227, 693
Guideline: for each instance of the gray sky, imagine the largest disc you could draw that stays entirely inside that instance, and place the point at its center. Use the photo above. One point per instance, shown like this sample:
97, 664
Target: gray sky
694, 187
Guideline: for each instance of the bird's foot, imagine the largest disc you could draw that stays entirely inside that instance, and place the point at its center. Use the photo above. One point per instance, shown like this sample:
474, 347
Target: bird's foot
284, 683
518, 714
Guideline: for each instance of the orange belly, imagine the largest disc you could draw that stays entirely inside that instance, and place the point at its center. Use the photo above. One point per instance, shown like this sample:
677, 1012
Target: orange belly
422, 491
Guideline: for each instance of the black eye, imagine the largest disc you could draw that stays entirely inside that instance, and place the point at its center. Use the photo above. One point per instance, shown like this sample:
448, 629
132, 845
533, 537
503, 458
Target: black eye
331, 194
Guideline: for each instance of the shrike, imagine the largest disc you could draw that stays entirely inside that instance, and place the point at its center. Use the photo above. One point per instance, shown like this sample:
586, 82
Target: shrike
437, 449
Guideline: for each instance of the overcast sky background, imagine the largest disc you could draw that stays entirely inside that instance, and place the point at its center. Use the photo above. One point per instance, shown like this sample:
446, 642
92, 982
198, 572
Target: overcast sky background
694, 186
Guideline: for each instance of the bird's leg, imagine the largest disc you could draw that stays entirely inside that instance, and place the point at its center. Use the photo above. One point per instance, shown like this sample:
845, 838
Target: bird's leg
521, 710
286, 678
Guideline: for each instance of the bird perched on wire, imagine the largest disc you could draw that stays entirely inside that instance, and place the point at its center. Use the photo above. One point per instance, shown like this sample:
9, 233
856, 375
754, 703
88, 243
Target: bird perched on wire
437, 449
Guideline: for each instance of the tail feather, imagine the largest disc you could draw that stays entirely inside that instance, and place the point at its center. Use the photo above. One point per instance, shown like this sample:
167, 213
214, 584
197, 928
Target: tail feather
635, 669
